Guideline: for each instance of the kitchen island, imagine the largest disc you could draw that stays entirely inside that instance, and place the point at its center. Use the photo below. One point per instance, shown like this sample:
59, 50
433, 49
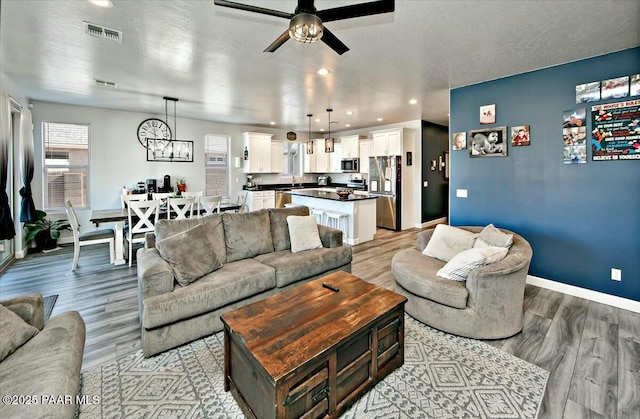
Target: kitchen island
360, 211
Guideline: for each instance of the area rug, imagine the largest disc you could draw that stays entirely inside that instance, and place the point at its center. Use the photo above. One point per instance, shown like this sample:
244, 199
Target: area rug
443, 376
49, 302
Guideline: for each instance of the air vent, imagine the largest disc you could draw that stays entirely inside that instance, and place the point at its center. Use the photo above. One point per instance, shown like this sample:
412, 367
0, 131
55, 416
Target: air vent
108, 84
102, 32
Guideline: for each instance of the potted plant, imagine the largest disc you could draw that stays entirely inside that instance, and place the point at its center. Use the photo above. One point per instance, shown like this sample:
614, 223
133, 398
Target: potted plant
181, 183
44, 231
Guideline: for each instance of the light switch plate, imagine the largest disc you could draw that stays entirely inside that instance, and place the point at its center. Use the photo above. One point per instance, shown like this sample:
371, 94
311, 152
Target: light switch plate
461, 193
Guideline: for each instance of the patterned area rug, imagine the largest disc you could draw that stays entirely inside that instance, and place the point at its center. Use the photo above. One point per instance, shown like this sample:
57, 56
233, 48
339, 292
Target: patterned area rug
443, 376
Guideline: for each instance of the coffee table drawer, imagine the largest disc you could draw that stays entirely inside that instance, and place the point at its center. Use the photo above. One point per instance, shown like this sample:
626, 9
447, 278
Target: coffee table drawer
307, 396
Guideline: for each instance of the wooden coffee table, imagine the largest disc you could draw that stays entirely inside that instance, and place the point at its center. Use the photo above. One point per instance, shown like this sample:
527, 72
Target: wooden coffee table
310, 351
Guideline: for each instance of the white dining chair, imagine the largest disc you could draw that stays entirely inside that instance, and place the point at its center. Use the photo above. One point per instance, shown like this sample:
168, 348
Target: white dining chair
146, 213
208, 205
196, 195
180, 208
241, 200
125, 199
106, 235
161, 196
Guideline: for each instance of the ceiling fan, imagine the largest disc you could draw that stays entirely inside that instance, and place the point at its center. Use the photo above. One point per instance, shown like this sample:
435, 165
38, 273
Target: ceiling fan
306, 22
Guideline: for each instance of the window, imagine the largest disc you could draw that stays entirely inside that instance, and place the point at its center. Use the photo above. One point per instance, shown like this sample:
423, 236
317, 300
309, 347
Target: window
66, 164
291, 159
216, 163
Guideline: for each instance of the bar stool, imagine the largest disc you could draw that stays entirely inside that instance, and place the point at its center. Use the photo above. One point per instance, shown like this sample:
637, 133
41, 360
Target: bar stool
319, 214
337, 220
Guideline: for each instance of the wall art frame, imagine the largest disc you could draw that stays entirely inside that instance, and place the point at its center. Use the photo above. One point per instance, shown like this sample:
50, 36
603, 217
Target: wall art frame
488, 142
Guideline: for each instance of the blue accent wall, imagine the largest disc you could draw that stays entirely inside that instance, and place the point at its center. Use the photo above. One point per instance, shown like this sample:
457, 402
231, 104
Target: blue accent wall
580, 219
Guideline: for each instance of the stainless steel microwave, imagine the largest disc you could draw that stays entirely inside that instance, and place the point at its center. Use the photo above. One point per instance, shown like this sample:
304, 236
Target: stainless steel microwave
350, 165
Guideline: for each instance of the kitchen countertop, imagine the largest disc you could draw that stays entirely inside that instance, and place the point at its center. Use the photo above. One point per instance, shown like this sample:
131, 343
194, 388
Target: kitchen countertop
287, 187
329, 195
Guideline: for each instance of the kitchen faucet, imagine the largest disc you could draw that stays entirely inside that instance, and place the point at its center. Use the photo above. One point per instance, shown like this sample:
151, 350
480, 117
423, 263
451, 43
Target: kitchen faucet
293, 181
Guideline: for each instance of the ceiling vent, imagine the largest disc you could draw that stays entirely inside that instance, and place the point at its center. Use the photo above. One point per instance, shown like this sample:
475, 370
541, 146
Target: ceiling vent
108, 84
102, 32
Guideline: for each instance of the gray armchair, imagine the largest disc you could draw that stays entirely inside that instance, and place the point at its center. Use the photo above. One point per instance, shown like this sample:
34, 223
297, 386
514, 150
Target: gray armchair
489, 305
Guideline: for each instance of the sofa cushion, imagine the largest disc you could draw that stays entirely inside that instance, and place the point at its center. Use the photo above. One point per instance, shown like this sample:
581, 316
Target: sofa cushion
247, 234
293, 267
494, 254
233, 282
189, 254
417, 274
459, 267
303, 232
448, 241
14, 332
491, 236
213, 228
279, 226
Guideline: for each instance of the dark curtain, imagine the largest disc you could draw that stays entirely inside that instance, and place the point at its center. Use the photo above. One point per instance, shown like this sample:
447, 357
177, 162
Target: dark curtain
7, 231
27, 207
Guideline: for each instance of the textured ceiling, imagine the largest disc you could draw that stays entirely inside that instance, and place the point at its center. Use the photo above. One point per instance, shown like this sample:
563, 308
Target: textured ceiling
211, 57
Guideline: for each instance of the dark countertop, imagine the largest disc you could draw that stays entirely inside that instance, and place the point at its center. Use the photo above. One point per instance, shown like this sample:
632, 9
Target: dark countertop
287, 187
329, 195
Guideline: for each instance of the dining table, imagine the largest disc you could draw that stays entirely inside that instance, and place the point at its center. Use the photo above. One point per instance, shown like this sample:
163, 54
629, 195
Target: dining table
120, 216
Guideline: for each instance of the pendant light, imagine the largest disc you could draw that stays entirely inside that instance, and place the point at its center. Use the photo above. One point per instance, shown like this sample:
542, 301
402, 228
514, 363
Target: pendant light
328, 142
309, 142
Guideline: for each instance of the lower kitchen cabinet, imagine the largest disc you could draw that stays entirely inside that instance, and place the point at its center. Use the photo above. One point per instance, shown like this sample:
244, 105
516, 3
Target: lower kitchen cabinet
257, 200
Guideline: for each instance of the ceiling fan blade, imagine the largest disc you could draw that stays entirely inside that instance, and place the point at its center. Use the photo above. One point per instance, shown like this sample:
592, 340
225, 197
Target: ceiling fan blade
330, 39
278, 42
255, 9
357, 10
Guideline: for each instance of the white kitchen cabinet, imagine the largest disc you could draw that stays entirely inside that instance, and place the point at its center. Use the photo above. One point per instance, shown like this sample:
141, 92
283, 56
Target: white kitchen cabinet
277, 156
258, 147
350, 146
335, 158
388, 142
365, 152
310, 162
257, 200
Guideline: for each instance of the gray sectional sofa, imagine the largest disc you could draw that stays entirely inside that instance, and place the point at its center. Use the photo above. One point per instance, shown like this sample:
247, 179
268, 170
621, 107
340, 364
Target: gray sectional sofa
42, 374
488, 305
254, 249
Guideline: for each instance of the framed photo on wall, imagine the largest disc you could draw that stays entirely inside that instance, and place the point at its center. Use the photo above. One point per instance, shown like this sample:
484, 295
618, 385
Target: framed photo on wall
459, 141
489, 142
520, 136
488, 114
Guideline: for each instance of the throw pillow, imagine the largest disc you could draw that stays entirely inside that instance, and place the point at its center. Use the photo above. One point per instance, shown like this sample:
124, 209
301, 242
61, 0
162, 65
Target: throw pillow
14, 332
459, 267
494, 254
448, 241
189, 254
303, 233
491, 236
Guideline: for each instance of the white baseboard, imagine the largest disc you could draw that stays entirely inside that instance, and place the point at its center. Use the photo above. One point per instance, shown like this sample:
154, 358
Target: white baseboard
599, 297
431, 223
20, 254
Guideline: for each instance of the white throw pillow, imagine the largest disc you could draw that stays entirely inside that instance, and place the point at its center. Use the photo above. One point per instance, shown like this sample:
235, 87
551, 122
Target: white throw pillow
459, 267
448, 241
491, 236
494, 254
303, 233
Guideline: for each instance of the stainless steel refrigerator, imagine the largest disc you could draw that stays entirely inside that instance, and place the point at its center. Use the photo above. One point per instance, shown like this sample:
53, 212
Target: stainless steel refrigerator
384, 182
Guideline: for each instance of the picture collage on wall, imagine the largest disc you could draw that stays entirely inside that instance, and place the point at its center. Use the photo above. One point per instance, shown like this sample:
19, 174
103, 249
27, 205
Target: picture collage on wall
574, 136
491, 142
615, 131
615, 88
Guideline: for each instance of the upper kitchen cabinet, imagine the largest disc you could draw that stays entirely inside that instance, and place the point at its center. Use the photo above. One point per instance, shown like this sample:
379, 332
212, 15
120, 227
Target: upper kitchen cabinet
388, 142
277, 156
257, 147
351, 146
365, 152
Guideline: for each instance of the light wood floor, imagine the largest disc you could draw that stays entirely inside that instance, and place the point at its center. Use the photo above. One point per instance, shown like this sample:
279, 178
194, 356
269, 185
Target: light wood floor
592, 350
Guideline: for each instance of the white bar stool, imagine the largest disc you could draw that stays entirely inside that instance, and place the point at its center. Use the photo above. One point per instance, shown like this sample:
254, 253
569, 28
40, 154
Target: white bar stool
319, 214
338, 220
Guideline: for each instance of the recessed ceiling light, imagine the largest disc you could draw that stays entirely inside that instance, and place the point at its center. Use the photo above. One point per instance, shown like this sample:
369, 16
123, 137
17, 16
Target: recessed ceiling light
272, 123
317, 119
323, 72
349, 113
101, 3
379, 119
347, 125
322, 129
413, 101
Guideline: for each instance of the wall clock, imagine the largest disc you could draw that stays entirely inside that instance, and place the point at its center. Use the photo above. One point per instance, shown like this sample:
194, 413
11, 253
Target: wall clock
291, 136
153, 128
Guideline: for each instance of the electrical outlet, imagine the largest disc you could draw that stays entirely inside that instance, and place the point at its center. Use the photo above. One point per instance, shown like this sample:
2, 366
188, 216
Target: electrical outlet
461, 193
616, 274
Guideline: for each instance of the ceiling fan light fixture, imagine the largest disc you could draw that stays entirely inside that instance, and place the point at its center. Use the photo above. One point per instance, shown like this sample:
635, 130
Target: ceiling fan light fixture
305, 28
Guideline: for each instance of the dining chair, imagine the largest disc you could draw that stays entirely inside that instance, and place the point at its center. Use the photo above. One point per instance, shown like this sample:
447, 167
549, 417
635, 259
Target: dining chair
145, 215
208, 205
196, 195
125, 199
241, 200
106, 235
162, 196
181, 207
